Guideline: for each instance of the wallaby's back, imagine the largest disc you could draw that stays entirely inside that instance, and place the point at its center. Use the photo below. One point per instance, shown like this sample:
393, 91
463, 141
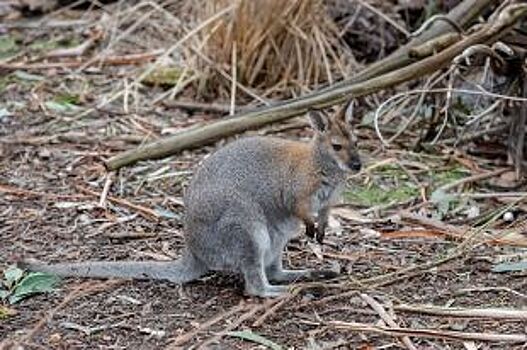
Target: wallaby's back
268, 171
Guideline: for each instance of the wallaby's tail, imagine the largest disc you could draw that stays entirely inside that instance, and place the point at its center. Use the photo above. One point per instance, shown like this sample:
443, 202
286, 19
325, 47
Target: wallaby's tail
185, 269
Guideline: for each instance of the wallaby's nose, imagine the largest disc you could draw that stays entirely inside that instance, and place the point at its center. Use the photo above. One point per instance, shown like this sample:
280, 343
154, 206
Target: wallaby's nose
355, 165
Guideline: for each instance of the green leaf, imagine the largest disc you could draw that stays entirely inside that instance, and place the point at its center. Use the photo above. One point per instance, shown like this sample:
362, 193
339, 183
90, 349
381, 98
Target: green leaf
68, 98
6, 312
7, 45
4, 113
12, 275
165, 213
255, 338
510, 267
61, 107
442, 199
20, 74
33, 283
164, 76
4, 294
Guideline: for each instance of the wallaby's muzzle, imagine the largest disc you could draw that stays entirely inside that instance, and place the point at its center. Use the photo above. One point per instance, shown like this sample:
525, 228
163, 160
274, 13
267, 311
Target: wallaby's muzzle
355, 164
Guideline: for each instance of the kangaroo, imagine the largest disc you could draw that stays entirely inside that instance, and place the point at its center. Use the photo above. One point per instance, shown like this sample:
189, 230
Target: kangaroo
243, 205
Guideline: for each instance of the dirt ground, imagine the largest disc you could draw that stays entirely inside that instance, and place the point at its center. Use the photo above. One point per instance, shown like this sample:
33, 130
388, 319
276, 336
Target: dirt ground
51, 179
49, 210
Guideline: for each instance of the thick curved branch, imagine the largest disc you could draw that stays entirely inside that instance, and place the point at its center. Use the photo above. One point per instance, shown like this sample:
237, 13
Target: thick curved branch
370, 80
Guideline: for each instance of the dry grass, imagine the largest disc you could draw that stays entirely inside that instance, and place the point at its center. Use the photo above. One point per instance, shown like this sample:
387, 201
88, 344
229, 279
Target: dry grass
275, 45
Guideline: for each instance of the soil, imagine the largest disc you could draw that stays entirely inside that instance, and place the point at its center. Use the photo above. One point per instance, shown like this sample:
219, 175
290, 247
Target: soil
52, 175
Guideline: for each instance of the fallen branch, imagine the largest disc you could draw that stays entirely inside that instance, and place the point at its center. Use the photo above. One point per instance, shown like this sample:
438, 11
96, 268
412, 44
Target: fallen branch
104, 61
494, 195
476, 135
418, 234
473, 178
186, 337
15, 191
75, 51
381, 75
52, 24
386, 318
235, 324
129, 235
201, 107
491, 289
145, 212
273, 309
430, 333
453, 231
493, 313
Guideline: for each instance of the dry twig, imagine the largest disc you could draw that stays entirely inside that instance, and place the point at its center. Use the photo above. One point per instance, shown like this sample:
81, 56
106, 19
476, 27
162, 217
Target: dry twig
111, 60
429, 333
493, 313
387, 318
186, 337
279, 303
240, 320
145, 212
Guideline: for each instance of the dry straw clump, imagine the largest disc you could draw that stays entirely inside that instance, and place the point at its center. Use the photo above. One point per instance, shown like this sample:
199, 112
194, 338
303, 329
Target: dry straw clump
276, 45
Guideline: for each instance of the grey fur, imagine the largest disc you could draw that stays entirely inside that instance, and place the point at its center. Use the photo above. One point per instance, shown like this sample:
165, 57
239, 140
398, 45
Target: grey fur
241, 211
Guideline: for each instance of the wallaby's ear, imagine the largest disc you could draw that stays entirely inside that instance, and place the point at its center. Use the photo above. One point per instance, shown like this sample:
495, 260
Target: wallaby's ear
348, 114
319, 121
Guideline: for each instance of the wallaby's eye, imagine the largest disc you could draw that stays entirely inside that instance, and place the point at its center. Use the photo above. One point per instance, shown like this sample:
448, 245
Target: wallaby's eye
337, 147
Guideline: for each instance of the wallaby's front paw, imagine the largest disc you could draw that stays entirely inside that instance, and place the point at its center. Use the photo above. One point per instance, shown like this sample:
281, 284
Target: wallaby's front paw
310, 230
316, 232
320, 232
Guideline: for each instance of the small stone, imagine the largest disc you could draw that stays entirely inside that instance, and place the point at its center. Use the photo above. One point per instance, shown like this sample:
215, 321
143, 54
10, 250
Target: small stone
472, 212
44, 153
508, 216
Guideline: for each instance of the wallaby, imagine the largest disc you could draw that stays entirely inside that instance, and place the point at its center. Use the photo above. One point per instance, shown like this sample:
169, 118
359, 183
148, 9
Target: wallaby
243, 205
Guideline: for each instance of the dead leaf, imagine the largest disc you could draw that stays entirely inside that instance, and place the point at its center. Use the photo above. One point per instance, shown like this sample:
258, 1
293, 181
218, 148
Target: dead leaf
507, 180
351, 215
470, 345
369, 233
6, 312
334, 226
413, 234
510, 237
316, 249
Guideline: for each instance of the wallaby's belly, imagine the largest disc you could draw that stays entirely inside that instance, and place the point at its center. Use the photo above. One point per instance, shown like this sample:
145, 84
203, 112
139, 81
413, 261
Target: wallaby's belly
282, 232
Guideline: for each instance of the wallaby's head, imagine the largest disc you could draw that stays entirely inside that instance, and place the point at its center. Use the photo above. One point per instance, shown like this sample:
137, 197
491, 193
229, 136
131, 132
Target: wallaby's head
335, 138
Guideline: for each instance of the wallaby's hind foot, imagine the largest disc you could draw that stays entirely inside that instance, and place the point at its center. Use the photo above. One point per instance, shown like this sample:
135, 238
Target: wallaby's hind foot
257, 284
290, 276
276, 273
269, 291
